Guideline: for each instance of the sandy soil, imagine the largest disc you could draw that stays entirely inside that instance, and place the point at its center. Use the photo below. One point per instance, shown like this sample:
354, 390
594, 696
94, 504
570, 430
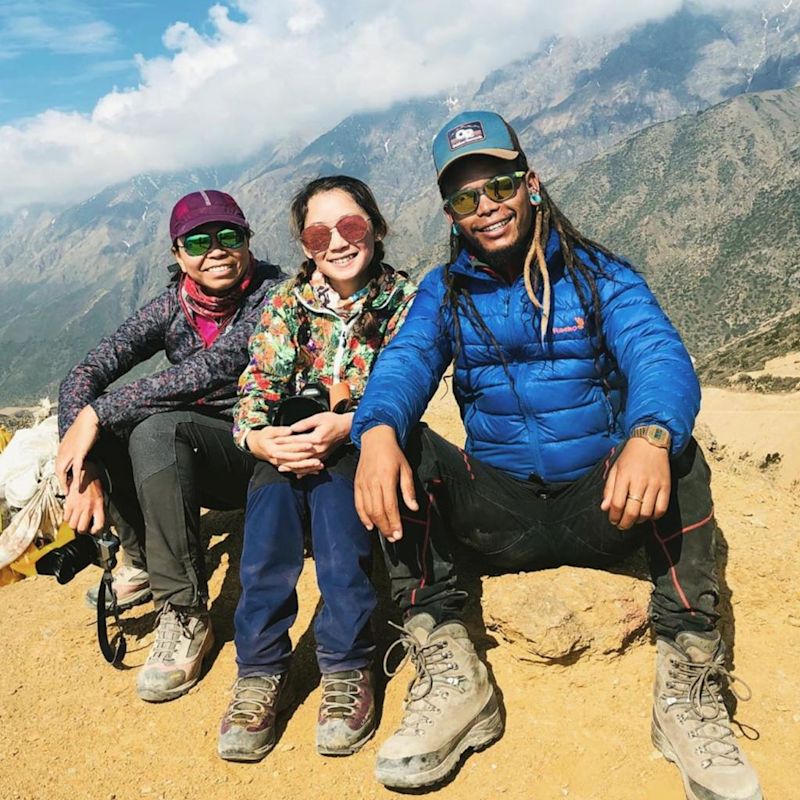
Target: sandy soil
72, 727
787, 366
761, 429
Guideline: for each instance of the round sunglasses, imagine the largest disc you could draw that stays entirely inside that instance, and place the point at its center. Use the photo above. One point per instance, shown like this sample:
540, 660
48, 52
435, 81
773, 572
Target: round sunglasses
316, 238
498, 189
198, 244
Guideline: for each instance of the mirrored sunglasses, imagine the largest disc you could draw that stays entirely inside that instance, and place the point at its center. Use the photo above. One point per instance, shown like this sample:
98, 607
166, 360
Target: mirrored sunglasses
317, 238
499, 188
198, 244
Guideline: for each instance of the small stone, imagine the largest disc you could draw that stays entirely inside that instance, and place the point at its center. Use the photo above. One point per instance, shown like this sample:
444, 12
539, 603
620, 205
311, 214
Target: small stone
287, 748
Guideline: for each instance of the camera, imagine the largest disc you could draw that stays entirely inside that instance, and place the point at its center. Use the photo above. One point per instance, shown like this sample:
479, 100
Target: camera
65, 562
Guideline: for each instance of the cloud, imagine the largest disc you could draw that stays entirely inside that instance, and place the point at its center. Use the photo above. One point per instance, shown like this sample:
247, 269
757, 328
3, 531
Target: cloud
63, 28
95, 70
262, 70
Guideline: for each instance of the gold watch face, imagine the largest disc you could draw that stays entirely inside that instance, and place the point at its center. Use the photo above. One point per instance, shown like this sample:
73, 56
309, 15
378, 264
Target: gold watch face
653, 434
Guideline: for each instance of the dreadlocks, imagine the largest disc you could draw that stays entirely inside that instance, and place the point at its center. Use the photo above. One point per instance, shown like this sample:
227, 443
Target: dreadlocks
583, 270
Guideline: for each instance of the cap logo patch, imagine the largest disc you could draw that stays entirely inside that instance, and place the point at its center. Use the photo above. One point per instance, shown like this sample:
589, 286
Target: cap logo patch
467, 133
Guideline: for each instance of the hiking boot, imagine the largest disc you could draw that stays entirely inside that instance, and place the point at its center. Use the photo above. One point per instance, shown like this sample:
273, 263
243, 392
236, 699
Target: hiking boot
347, 712
131, 585
183, 638
691, 726
450, 707
247, 730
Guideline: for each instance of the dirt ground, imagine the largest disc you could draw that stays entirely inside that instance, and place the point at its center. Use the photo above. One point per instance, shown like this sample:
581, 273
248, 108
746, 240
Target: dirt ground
72, 728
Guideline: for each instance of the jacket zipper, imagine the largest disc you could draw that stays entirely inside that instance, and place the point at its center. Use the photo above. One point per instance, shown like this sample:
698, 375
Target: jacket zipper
346, 328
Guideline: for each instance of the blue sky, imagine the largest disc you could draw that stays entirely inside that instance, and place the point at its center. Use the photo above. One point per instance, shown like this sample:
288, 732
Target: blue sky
65, 54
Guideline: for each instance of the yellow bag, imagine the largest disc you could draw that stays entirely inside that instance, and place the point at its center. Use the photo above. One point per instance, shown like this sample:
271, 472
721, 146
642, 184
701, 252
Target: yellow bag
5, 437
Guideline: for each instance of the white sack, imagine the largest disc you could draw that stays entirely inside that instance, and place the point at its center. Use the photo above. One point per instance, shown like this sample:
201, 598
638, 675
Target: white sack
28, 458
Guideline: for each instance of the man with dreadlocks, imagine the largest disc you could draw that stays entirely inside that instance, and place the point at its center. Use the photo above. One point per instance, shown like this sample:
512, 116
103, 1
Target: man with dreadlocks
578, 398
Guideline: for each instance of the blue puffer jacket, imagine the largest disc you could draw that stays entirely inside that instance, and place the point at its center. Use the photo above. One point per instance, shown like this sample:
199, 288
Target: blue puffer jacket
547, 412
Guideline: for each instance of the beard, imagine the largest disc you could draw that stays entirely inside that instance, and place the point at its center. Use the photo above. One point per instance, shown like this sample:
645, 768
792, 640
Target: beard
508, 260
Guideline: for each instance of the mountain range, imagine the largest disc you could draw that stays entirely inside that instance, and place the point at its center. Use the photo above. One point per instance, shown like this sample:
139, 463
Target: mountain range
675, 143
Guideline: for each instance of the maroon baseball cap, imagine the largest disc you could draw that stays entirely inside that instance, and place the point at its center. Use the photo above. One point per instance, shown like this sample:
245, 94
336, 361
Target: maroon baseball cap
207, 205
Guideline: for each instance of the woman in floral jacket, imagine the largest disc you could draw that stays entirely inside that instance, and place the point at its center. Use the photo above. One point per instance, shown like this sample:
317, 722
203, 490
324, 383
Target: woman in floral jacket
324, 327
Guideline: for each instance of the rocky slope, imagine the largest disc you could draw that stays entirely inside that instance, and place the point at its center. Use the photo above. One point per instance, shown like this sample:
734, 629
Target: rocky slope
760, 360
707, 205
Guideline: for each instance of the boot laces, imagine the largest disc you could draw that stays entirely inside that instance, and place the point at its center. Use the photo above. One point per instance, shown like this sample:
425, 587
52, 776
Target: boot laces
253, 701
171, 625
340, 696
697, 688
429, 684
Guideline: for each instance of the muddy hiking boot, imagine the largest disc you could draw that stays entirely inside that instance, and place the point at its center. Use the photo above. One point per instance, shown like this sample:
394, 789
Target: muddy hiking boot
247, 731
131, 585
183, 637
347, 712
691, 726
450, 707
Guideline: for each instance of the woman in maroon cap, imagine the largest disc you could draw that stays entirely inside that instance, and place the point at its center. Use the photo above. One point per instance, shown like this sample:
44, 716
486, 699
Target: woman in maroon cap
160, 447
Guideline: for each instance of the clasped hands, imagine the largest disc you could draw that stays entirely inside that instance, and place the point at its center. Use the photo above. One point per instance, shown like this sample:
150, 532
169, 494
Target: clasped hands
301, 448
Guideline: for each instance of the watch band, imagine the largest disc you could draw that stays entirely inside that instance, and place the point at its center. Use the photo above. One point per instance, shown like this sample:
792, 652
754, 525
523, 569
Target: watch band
657, 435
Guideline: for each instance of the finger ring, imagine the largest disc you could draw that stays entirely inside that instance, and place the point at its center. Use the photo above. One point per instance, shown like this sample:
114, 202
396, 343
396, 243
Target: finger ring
634, 497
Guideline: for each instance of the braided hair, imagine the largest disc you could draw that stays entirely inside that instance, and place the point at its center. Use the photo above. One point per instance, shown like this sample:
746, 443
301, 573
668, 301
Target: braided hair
381, 275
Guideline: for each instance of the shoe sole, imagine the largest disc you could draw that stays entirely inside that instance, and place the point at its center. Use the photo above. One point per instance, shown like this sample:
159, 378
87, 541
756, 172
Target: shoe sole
246, 757
165, 695
488, 728
661, 743
350, 749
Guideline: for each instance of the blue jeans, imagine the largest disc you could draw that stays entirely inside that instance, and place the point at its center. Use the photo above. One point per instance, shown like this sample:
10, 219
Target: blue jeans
272, 559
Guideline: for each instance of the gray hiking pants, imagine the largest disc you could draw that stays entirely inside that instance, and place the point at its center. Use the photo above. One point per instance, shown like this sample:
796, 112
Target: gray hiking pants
172, 465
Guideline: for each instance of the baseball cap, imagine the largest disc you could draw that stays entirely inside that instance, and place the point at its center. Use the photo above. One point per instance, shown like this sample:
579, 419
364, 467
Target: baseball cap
471, 133
207, 205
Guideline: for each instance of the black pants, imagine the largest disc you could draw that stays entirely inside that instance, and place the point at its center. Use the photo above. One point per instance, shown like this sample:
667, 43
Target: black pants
521, 525
172, 465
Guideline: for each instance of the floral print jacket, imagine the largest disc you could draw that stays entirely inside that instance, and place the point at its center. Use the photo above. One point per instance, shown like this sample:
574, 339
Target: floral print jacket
333, 353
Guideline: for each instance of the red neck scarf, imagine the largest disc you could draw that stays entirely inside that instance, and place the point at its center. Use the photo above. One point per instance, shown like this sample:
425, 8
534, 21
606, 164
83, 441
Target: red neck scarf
218, 308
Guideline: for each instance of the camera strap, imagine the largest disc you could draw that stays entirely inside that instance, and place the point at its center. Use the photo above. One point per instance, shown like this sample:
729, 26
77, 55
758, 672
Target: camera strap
113, 654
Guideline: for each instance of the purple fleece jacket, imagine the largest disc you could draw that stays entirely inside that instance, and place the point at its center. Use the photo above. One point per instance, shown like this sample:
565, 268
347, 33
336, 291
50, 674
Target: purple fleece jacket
198, 377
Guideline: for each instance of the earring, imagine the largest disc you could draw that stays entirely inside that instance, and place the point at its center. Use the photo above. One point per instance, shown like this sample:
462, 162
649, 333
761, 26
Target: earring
535, 198
455, 230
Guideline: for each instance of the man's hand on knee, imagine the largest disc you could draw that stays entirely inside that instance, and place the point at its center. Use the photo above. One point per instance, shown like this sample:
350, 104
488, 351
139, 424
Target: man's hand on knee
638, 485
382, 467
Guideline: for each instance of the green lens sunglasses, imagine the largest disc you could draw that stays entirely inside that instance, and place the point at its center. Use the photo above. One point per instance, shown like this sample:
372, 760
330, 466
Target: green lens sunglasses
198, 244
499, 188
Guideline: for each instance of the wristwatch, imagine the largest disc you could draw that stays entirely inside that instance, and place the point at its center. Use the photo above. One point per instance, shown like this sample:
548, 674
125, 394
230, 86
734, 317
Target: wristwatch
657, 435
